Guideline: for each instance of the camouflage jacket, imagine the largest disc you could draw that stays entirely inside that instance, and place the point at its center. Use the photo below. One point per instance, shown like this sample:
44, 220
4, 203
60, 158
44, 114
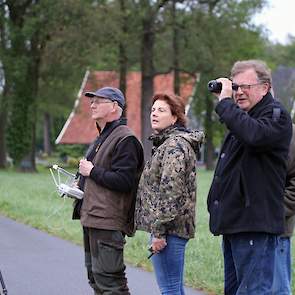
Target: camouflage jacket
166, 196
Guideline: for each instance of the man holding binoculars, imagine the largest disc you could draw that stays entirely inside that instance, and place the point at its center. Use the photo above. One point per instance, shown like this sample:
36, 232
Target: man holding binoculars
245, 200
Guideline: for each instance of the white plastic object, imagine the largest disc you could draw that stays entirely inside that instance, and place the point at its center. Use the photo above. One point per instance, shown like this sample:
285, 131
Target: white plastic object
65, 183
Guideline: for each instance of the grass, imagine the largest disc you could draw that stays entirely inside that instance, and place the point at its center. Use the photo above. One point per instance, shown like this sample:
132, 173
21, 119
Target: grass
31, 199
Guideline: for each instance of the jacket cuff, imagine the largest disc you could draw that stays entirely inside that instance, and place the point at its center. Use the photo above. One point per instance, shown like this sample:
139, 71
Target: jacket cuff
158, 235
222, 106
95, 173
158, 230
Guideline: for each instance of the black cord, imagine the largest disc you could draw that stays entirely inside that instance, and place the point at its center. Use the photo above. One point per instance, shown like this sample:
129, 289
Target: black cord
152, 252
3, 284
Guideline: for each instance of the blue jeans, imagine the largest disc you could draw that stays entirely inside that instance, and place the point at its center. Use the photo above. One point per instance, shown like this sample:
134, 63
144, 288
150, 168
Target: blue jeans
249, 263
168, 266
282, 274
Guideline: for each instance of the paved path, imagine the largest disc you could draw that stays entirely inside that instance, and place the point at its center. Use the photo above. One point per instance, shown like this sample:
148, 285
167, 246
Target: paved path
35, 263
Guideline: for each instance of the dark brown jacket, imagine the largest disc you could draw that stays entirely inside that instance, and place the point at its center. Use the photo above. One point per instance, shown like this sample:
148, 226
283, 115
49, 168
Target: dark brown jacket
111, 208
289, 198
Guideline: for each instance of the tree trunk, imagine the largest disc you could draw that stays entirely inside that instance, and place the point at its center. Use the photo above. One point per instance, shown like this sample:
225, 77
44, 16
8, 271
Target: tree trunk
3, 119
28, 163
123, 68
209, 154
47, 134
123, 60
3, 123
33, 148
175, 49
147, 83
209, 147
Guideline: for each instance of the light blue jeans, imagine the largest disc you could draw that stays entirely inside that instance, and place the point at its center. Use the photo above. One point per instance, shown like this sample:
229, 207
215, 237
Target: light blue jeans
282, 273
169, 266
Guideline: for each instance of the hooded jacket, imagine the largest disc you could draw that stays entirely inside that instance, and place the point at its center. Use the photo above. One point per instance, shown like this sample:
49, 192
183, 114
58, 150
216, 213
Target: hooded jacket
166, 196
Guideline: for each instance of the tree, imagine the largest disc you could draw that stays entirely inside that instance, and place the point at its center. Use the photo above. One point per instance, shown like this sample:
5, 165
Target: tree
65, 58
22, 44
217, 34
26, 28
282, 60
123, 58
44, 56
149, 12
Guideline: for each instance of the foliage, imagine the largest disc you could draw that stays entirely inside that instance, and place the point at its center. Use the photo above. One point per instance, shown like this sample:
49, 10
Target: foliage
26, 27
279, 54
282, 60
211, 36
44, 55
21, 45
215, 39
66, 56
71, 150
41, 65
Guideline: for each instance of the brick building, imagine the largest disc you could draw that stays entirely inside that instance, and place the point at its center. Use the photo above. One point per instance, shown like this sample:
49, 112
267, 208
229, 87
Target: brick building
80, 127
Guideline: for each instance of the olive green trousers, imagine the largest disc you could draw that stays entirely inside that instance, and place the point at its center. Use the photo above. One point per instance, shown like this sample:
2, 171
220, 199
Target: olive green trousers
104, 261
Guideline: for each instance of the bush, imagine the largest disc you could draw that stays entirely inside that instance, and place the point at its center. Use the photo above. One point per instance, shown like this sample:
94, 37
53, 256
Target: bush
67, 151
73, 162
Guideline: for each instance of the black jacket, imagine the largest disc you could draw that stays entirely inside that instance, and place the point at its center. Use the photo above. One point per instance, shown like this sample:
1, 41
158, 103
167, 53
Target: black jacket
247, 191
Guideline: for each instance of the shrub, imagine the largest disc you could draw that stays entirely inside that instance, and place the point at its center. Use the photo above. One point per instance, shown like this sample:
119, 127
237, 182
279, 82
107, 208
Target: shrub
66, 151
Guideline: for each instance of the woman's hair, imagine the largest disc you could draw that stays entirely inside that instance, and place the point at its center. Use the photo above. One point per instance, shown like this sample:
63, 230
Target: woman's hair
260, 67
176, 105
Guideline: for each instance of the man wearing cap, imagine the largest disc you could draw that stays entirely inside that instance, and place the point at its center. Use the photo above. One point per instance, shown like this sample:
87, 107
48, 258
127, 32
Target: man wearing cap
109, 178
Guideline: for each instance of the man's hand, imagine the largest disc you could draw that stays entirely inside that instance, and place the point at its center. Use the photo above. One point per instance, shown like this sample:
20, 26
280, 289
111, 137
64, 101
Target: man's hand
85, 167
158, 244
226, 90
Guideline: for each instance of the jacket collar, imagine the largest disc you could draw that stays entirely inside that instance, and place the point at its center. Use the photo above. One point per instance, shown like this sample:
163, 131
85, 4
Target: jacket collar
112, 125
159, 138
267, 99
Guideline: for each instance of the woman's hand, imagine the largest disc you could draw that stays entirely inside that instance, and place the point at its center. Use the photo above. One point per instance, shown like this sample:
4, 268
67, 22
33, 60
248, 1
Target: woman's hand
158, 244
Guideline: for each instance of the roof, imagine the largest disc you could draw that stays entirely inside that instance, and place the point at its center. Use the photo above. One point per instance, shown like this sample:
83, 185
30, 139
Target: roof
80, 127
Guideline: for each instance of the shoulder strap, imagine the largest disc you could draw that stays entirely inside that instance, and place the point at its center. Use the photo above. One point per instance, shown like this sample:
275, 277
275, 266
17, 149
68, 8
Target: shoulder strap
276, 114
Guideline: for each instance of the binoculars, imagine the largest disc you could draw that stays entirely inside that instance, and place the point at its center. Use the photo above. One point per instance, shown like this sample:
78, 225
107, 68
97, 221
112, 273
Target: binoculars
216, 87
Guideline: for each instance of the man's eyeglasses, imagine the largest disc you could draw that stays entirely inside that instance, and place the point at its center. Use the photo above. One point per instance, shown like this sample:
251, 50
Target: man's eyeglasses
244, 87
97, 101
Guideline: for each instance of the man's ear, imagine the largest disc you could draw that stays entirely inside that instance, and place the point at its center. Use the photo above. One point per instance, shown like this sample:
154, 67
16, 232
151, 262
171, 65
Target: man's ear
266, 88
115, 106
